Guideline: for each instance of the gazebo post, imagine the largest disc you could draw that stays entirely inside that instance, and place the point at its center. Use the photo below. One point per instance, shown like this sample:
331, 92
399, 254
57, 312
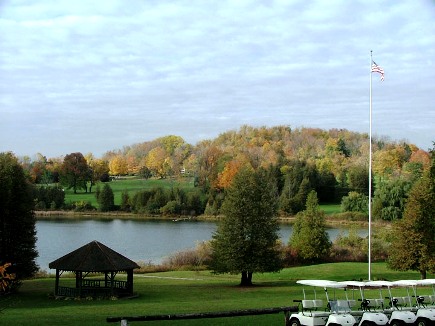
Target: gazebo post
56, 285
79, 281
130, 281
112, 276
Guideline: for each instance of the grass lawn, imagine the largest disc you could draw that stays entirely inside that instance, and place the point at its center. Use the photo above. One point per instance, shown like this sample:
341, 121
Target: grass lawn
182, 292
330, 208
132, 185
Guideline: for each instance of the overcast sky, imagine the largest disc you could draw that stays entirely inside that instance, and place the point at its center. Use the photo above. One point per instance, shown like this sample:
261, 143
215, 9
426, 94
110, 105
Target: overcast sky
91, 76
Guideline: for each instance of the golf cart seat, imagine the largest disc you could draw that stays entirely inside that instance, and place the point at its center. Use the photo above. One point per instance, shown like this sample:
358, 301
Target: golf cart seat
401, 302
310, 305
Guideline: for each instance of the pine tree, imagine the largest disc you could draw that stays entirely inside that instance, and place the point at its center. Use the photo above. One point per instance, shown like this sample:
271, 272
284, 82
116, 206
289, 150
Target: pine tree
106, 199
309, 237
246, 239
17, 220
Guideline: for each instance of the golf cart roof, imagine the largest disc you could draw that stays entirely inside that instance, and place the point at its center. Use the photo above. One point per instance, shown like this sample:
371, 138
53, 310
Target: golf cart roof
378, 284
405, 283
353, 284
322, 283
428, 281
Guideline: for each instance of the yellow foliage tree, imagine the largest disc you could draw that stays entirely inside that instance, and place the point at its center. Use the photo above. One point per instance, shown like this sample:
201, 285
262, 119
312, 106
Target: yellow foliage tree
118, 165
156, 161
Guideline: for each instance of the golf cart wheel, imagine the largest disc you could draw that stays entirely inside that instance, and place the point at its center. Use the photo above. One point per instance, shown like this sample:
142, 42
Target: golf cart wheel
396, 323
295, 322
423, 322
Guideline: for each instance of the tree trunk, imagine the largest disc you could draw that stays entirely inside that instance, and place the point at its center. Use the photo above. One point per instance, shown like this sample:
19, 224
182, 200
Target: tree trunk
246, 279
423, 274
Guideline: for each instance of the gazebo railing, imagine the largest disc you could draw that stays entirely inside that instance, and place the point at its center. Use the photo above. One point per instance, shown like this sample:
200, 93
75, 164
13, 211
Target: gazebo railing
103, 284
67, 292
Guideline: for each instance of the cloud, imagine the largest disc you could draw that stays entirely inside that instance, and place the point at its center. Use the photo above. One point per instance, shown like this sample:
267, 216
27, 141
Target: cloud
108, 73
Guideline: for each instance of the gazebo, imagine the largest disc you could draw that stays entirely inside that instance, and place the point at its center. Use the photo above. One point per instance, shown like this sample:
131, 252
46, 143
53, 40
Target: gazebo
94, 258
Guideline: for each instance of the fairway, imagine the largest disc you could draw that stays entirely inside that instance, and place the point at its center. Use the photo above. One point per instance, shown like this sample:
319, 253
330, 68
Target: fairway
131, 185
183, 292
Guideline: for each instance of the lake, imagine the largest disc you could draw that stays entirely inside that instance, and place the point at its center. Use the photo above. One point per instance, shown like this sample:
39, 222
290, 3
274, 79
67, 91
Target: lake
141, 241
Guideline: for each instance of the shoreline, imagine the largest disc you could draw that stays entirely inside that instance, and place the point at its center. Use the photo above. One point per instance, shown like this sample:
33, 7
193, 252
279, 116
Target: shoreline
95, 215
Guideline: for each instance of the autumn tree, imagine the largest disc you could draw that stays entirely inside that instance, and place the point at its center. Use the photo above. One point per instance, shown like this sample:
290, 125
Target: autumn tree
208, 156
246, 239
155, 161
118, 165
309, 237
17, 220
226, 176
98, 168
75, 172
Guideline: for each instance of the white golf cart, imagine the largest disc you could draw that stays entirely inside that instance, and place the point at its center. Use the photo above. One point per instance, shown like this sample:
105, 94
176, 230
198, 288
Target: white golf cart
316, 313
425, 314
397, 313
371, 310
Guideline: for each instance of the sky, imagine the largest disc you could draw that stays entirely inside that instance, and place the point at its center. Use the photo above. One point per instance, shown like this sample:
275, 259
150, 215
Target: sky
92, 76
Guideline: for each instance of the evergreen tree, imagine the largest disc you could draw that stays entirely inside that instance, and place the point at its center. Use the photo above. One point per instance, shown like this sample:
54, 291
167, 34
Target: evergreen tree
246, 239
125, 201
309, 237
17, 220
106, 199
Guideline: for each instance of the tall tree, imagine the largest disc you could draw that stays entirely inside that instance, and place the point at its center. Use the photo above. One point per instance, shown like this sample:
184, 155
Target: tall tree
246, 239
413, 245
75, 172
17, 220
309, 237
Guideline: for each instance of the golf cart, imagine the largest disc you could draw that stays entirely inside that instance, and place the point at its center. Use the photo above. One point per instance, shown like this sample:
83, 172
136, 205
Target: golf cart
314, 312
397, 312
371, 310
424, 313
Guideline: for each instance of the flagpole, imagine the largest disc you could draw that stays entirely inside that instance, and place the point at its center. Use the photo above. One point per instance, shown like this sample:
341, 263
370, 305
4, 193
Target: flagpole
370, 169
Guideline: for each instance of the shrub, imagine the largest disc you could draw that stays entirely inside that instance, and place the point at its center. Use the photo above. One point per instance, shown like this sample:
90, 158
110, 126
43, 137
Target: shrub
355, 202
196, 258
52, 197
171, 208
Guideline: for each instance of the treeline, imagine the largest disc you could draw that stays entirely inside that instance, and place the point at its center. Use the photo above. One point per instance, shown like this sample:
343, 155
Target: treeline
333, 162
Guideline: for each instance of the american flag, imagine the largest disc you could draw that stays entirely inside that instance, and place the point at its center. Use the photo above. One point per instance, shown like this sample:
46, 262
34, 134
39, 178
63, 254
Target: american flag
376, 68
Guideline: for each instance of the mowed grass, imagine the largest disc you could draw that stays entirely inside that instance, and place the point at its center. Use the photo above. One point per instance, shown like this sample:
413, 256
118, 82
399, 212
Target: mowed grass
330, 208
132, 185
183, 292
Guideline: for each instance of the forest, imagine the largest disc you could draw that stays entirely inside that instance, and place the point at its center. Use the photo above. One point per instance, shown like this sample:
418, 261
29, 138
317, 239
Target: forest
334, 163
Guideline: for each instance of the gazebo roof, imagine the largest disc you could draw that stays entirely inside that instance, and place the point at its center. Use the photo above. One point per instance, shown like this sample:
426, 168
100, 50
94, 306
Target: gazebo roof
93, 257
